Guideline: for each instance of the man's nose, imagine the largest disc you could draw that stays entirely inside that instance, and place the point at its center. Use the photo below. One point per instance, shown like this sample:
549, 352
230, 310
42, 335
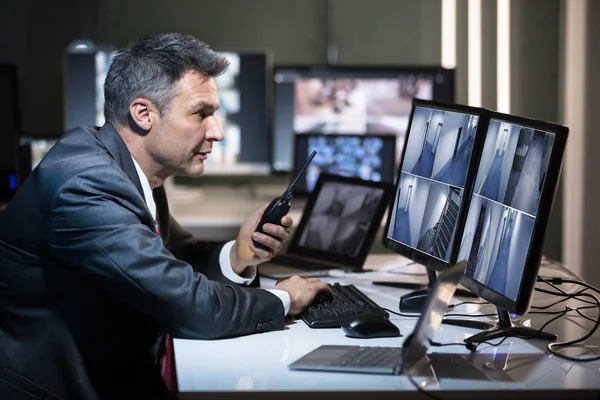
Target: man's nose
214, 130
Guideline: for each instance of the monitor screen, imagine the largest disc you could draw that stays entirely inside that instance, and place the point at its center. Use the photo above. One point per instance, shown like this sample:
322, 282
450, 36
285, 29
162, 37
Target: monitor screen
243, 95
435, 177
512, 197
360, 100
341, 219
371, 158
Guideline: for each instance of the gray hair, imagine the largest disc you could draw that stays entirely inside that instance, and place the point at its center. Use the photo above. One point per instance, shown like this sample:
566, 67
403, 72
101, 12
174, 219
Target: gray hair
150, 67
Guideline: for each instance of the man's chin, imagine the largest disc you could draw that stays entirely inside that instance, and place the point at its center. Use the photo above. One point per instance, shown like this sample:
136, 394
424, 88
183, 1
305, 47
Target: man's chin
195, 171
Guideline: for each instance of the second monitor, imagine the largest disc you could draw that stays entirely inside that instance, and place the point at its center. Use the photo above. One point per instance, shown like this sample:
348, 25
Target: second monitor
369, 157
361, 100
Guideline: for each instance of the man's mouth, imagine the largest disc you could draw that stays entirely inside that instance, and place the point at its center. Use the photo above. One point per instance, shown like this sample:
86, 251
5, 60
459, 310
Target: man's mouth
203, 154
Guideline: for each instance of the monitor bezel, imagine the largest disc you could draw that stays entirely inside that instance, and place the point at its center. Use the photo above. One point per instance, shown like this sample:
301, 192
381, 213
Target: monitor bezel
429, 261
298, 162
386, 72
521, 305
340, 259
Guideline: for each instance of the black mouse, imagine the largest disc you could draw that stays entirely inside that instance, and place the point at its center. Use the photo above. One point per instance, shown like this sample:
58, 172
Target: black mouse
370, 326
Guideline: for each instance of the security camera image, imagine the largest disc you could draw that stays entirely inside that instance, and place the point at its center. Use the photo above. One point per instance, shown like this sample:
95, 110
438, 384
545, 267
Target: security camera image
496, 242
425, 215
341, 218
513, 165
351, 105
370, 158
440, 145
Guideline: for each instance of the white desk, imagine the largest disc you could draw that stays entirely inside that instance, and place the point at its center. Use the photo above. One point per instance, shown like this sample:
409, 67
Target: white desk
256, 366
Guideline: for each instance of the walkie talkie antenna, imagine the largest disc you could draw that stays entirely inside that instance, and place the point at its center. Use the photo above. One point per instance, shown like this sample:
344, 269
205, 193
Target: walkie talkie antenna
288, 191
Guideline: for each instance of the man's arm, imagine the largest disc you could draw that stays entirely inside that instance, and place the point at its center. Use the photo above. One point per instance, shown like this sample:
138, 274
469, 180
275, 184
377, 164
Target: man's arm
95, 229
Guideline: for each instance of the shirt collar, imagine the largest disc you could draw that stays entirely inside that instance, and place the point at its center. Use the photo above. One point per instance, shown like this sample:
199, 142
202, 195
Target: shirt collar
146, 188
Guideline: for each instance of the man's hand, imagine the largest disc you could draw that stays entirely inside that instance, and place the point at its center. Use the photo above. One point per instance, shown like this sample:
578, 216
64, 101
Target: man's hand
302, 291
244, 253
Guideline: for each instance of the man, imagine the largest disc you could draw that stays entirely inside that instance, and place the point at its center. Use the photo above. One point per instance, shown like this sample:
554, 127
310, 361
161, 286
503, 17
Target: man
88, 281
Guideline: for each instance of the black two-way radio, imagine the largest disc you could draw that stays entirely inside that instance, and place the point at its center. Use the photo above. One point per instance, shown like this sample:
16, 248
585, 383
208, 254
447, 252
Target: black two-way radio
279, 206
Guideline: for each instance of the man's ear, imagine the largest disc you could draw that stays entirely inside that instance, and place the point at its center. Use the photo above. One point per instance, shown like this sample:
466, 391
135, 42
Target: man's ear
141, 113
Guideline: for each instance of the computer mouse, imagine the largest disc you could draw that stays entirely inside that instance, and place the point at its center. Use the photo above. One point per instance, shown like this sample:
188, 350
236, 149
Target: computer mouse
370, 326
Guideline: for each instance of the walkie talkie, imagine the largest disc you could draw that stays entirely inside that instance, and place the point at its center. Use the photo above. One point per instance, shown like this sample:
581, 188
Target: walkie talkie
279, 206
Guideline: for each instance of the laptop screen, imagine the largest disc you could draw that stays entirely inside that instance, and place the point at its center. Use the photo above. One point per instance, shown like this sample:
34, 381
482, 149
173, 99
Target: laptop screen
341, 219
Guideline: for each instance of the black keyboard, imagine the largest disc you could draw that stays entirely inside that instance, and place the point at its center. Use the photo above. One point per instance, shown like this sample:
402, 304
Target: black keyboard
347, 302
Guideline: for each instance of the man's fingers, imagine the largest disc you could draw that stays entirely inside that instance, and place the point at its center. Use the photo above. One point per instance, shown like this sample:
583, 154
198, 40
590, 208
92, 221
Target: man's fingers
266, 240
287, 221
276, 230
325, 289
261, 253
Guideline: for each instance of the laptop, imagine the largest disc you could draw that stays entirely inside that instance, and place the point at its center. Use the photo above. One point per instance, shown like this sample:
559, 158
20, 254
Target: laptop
337, 228
385, 359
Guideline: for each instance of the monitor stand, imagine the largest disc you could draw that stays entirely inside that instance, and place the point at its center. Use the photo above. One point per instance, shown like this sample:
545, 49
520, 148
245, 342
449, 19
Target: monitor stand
414, 301
506, 327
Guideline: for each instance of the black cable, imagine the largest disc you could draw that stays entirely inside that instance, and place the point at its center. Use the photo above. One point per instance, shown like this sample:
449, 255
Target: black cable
556, 302
468, 302
551, 346
470, 315
559, 281
401, 314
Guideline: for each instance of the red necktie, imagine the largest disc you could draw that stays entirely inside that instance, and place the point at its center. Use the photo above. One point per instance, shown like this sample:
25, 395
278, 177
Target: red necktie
166, 356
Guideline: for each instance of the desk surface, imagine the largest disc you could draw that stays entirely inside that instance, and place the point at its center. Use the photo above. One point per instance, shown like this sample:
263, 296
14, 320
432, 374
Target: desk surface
256, 365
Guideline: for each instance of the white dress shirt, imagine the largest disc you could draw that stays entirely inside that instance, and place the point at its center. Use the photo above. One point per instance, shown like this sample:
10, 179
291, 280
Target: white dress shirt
223, 256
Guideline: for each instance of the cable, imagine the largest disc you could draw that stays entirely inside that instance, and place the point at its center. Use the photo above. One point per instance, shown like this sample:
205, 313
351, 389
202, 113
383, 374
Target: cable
401, 314
560, 281
470, 315
558, 345
468, 302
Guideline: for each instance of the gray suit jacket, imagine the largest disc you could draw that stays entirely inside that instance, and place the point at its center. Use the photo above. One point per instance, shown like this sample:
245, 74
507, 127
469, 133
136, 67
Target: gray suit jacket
87, 287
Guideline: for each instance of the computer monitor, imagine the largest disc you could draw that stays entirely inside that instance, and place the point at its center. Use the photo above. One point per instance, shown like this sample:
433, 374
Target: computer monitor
85, 67
507, 216
361, 100
9, 130
369, 157
38, 146
434, 182
244, 96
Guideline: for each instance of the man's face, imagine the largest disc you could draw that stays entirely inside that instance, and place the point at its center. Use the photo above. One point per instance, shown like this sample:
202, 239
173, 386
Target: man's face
182, 139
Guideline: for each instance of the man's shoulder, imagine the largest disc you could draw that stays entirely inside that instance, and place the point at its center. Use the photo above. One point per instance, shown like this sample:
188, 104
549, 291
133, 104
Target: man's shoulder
78, 151
77, 148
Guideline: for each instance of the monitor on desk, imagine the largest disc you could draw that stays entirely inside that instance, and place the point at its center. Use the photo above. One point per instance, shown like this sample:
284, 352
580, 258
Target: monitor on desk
369, 157
359, 100
244, 96
9, 130
507, 216
434, 182
38, 146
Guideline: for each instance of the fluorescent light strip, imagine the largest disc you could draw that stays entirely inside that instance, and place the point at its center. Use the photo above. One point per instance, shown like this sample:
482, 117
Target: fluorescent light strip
474, 55
503, 56
576, 176
449, 33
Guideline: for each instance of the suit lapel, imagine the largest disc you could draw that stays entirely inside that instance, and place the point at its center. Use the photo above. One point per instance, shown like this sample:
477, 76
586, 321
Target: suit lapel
119, 152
